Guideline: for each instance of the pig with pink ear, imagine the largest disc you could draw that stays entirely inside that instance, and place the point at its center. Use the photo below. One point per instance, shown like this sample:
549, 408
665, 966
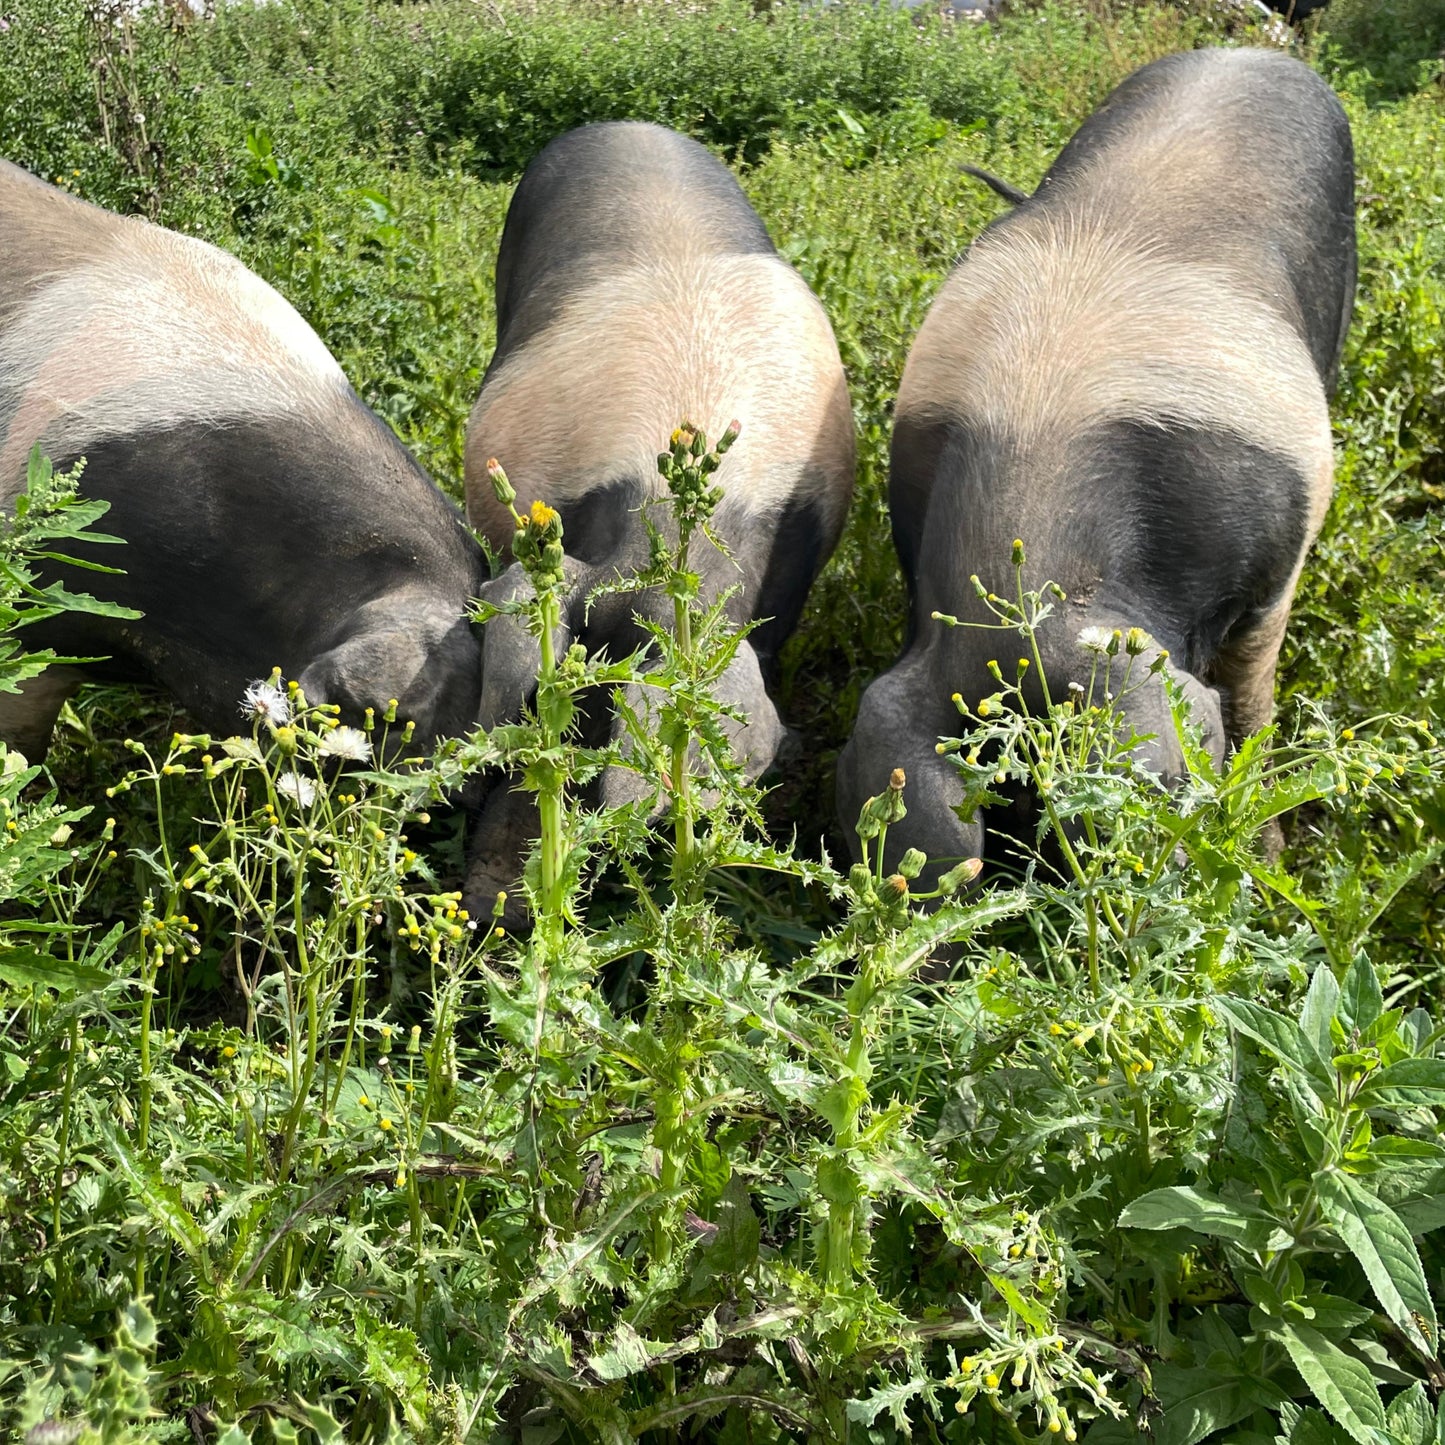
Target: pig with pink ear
636, 289
270, 518
1129, 373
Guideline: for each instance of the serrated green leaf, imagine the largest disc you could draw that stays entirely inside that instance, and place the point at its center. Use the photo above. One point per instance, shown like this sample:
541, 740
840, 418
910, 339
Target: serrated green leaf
627, 1353
1197, 1403
1281, 1038
162, 1202
893, 1397
1341, 1384
1313, 1428
1411, 1083
29, 968
1422, 1215
1381, 1243
393, 1360
1319, 1008
1409, 1416
323, 1422
1360, 998
1180, 1207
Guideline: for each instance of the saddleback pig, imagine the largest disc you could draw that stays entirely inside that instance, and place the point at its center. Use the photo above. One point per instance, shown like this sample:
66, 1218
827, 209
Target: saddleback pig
269, 517
636, 289
1129, 373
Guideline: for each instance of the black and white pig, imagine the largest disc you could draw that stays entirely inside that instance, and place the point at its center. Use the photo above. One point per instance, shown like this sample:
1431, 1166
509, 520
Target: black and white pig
270, 518
1128, 372
636, 289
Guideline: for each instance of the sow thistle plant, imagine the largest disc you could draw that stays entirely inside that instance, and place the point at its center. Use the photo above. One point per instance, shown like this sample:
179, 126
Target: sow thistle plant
1034, 1161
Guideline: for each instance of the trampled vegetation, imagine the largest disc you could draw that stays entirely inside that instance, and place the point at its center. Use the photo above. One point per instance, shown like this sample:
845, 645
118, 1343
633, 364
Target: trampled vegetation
292, 1149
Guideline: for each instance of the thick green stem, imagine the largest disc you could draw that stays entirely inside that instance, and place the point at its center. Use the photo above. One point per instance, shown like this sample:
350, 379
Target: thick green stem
685, 841
549, 797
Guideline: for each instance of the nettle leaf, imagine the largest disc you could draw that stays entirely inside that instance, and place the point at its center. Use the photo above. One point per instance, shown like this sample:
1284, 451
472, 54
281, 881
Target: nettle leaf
1281, 1038
1340, 1383
1381, 1243
1411, 1083
1180, 1207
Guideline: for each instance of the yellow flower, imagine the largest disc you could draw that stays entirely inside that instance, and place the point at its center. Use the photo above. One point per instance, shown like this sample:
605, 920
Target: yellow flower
542, 515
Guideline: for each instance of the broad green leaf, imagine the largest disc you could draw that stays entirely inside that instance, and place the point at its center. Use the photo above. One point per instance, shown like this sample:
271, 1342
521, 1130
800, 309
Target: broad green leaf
1341, 1384
1329, 1312
1319, 1008
1280, 1037
1422, 1215
29, 968
1197, 1403
1410, 1418
1313, 1428
233, 1434
1360, 999
1382, 1245
1412, 1083
1396, 1149
1184, 1208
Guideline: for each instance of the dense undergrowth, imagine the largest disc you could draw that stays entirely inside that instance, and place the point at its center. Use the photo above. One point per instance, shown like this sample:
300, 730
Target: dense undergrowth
291, 1148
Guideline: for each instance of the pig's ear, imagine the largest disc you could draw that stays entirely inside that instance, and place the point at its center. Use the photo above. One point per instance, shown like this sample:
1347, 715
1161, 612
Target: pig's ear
755, 734
511, 656
900, 720
420, 654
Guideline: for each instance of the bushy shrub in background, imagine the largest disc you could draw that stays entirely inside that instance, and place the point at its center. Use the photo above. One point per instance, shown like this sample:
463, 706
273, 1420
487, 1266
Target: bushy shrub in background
735, 1145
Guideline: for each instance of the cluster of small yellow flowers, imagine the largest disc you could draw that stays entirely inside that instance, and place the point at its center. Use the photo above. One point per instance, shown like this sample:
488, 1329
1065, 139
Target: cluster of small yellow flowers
1110, 1048
1040, 1369
166, 936
448, 924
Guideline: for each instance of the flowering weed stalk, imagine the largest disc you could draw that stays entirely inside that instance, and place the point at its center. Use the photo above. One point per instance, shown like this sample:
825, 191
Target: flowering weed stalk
537, 545
686, 467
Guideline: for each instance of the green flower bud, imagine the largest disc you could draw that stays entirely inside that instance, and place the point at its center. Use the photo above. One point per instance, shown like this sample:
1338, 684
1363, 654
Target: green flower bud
500, 485
960, 875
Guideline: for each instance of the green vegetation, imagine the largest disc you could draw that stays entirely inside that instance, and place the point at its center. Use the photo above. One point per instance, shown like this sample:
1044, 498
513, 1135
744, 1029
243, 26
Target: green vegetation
292, 1149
